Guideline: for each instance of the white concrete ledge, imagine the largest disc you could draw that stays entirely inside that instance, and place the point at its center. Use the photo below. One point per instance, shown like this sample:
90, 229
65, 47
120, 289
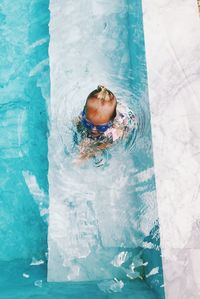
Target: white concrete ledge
172, 38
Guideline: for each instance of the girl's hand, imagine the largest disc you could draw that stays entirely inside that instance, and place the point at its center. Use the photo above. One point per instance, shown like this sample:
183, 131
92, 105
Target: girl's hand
89, 149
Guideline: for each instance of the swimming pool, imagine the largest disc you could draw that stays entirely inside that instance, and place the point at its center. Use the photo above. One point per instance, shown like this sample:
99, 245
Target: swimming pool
24, 125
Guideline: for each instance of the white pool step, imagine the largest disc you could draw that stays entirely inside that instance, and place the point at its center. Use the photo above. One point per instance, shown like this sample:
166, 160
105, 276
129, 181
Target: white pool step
92, 212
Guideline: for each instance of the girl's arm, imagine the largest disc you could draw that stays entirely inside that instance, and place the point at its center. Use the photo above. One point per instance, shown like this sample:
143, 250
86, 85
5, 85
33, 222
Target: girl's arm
90, 149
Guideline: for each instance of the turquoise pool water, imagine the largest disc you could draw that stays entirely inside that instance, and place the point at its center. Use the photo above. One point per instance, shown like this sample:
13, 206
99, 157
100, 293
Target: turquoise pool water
25, 93
25, 90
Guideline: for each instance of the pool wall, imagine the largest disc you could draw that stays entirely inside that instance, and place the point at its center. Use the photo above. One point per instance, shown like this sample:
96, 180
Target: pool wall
152, 256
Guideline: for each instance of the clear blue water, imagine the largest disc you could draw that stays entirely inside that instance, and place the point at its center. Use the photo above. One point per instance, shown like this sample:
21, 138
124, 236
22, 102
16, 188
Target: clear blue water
25, 90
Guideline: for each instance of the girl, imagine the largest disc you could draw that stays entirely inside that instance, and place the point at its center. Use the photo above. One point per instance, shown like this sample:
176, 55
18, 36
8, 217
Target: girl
103, 121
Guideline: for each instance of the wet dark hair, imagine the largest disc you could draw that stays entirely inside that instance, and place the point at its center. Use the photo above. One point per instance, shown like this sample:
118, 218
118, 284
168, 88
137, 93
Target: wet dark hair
103, 94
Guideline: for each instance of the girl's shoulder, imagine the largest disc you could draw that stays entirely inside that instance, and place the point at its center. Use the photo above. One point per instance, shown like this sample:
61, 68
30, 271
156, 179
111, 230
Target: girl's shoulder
124, 122
125, 117
76, 120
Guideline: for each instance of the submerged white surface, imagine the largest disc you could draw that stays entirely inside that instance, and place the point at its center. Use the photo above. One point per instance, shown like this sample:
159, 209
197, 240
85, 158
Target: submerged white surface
94, 214
172, 38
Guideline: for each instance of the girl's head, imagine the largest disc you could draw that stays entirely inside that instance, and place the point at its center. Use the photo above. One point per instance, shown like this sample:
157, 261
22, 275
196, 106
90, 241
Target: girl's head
100, 107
